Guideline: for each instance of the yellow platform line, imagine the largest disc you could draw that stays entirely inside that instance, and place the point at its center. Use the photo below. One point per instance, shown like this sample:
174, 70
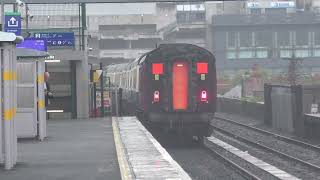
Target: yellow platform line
122, 160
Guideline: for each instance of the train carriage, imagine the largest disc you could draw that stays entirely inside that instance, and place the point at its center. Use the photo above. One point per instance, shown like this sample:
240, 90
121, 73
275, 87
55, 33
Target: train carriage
172, 87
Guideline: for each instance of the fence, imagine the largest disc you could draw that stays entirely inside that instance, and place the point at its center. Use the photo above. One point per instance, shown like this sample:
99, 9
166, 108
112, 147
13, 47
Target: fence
241, 107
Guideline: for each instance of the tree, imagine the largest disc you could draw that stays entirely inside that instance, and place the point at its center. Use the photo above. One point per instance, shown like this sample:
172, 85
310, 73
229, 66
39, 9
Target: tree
293, 74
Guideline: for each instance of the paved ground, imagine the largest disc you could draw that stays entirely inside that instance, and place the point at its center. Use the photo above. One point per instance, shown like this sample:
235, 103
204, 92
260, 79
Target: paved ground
75, 149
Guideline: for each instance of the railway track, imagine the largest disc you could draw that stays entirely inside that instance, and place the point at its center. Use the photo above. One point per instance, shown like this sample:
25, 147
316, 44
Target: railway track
200, 162
249, 135
245, 140
277, 136
219, 166
242, 171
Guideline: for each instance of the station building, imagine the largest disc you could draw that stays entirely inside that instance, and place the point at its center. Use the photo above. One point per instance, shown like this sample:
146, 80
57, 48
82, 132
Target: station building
239, 41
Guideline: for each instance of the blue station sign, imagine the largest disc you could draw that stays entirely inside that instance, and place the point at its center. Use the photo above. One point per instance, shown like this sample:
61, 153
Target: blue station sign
56, 38
12, 22
36, 44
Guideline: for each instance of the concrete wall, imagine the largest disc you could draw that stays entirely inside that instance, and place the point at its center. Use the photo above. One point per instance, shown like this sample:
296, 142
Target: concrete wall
95, 21
244, 108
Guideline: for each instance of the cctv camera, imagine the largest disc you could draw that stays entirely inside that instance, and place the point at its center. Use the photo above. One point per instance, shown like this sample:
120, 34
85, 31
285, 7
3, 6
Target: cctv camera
20, 3
31, 16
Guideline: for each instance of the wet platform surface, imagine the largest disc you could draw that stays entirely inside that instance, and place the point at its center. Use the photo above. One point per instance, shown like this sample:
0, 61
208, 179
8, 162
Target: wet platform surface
74, 149
145, 157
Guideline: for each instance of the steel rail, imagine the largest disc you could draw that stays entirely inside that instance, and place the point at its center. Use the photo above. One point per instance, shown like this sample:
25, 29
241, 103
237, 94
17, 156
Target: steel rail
278, 136
256, 144
242, 171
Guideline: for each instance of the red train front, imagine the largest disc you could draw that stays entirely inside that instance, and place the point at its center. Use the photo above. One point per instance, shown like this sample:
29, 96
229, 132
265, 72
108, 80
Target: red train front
172, 87
178, 88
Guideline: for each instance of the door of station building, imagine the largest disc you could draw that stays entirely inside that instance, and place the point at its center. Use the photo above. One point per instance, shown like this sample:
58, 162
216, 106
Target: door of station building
26, 119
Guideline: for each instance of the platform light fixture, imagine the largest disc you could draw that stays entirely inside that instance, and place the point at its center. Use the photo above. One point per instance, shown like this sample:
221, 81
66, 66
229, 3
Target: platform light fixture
52, 60
55, 111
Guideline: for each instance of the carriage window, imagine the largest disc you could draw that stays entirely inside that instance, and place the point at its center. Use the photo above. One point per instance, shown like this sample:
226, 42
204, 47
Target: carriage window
134, 74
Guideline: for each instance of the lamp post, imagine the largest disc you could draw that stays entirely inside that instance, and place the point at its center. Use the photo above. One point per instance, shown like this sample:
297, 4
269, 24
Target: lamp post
2, 15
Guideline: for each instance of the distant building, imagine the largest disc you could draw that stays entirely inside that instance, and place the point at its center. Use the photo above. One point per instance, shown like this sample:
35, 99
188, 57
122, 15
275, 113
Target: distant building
122, 37
189, 26
240, 41
122, 43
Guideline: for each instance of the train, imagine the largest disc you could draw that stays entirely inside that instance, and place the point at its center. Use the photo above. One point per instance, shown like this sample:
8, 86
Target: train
172, 87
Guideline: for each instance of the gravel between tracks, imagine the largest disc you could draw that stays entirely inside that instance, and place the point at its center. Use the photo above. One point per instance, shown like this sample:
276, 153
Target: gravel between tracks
197, 161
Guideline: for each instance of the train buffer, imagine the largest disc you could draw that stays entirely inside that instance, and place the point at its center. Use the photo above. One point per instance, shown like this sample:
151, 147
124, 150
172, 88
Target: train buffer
140, 156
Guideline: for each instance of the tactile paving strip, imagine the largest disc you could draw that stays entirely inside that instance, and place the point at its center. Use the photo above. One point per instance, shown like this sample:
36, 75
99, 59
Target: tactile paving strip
146, 157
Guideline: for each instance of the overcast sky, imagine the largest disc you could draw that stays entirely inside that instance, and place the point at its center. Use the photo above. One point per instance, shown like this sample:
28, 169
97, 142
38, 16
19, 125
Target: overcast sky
118, 9
92, 9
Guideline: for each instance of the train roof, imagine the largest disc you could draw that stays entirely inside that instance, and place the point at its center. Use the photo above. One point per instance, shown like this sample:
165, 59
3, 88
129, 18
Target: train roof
174, 49
162, 50
117, 67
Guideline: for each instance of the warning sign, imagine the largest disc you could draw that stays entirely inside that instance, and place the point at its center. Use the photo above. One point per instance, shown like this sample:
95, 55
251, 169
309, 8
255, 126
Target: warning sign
96, 75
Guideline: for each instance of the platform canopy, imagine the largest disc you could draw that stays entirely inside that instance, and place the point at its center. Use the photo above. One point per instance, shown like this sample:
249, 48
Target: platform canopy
105, 1
10, 37
30, 53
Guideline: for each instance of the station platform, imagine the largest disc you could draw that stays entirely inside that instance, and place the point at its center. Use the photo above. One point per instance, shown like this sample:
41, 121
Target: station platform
140, 155
94, 149
80, 149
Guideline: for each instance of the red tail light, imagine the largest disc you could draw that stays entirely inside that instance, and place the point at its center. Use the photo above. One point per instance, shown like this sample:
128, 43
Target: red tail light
202, 68
156, 96
157, 68
204, 96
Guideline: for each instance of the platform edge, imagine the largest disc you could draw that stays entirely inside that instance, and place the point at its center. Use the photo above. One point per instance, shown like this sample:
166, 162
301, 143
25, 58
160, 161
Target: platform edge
124, 167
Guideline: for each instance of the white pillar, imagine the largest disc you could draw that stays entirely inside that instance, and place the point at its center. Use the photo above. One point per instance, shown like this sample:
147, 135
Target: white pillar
42, 131
82, 79
9, 106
